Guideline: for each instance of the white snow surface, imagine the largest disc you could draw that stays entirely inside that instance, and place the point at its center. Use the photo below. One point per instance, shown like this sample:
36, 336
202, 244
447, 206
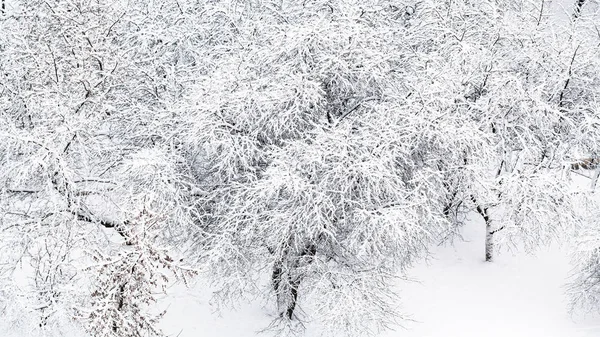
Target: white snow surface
455, 294
517, 295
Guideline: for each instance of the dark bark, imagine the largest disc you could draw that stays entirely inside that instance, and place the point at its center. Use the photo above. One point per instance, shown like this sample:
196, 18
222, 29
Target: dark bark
276, 276
585, 164
120, 228
289, 292
451, 203
578, 7
294, 284
489, 235
120, 304
121, 299
541, 12
561, 101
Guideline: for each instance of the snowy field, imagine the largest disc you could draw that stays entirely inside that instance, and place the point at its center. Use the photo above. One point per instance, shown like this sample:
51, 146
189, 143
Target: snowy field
456, 294
518, 295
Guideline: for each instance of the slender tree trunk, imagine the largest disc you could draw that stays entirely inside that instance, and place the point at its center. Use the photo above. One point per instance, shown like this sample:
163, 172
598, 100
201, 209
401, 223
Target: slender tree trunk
489, 242
489, 232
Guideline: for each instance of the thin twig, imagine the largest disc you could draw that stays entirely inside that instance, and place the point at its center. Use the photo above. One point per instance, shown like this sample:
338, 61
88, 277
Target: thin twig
354, 108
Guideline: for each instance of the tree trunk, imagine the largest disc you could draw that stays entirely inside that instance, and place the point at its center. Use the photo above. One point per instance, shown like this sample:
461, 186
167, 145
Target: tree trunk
286, 284
120, 303
294, 284
276, 275
489, 233
489, 242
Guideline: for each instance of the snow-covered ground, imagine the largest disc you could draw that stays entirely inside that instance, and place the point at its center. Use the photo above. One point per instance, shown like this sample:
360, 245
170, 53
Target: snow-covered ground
518, 295
457, 295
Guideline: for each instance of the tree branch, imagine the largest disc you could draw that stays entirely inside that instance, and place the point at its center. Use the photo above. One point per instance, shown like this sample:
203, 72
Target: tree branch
569, 73
106, 224
497, 230
354, 108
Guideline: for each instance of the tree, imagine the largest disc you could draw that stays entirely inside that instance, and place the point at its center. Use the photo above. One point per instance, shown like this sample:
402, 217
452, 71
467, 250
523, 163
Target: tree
334, 155
314, 164
88, 146
532, 108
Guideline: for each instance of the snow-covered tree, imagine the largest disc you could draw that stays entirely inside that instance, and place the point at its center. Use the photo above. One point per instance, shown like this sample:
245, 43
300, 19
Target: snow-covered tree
87, 141
315, 162
534, 108
584, 286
